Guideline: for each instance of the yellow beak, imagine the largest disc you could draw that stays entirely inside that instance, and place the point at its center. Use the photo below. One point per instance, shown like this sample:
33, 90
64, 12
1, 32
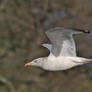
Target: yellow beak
28, 64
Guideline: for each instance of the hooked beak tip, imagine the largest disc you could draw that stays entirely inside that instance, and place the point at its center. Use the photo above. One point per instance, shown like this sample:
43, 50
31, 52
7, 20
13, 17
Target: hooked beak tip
27, 64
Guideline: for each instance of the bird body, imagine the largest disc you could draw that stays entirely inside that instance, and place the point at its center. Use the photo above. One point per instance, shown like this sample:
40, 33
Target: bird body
63, 63
56, 64
62, 51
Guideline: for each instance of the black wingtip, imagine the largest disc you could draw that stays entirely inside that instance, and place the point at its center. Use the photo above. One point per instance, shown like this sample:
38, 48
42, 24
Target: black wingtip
87, 31
81, 30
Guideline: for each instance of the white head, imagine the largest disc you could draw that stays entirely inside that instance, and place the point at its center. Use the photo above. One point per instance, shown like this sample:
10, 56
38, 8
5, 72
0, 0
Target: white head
36, 62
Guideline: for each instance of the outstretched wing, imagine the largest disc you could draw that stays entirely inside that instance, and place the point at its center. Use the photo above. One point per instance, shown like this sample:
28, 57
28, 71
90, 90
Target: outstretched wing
62, 42
48, 46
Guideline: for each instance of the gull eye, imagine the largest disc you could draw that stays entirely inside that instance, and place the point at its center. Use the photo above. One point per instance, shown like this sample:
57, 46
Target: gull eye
35, 61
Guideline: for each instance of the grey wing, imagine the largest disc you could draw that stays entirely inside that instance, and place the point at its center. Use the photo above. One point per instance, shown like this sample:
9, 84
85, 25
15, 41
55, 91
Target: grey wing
62, 42
48, 46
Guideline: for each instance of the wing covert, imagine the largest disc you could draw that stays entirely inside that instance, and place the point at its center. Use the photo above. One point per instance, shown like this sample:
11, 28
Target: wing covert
62, 42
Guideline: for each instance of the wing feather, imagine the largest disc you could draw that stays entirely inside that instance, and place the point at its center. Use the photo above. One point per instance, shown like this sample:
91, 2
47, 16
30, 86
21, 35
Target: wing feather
48, 46
62, 42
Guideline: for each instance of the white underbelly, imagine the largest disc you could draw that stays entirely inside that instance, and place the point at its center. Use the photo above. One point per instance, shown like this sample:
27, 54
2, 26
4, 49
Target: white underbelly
57, 65
58, 68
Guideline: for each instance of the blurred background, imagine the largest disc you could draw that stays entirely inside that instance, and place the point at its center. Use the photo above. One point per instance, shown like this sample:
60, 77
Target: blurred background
22, 29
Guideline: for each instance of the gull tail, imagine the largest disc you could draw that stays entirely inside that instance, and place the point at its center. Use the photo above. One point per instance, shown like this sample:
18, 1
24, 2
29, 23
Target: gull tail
82, 60
88, 61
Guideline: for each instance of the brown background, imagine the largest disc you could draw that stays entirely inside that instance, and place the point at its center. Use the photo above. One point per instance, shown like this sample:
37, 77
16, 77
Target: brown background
22, 29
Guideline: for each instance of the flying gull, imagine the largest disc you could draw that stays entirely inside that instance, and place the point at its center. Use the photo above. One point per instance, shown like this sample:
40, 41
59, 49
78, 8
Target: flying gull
62, 50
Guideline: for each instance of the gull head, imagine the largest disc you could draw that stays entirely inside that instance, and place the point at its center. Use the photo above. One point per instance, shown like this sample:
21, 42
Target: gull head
36, 62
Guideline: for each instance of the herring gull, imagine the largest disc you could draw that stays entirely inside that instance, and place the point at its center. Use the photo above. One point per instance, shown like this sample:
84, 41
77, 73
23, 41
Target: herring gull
62, 50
